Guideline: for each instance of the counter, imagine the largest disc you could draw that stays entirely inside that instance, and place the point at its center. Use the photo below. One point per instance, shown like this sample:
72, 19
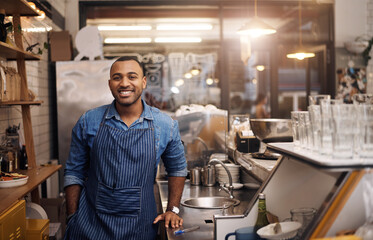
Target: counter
202, 217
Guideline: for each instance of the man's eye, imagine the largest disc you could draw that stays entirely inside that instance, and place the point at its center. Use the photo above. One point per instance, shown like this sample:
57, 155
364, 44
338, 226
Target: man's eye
132, 77
116, 78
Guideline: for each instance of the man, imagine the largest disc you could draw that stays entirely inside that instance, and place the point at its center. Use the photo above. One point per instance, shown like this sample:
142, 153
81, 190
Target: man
112, 164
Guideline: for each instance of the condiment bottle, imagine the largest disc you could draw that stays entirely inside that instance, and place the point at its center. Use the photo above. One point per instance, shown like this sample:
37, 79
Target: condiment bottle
261, 220
23, 164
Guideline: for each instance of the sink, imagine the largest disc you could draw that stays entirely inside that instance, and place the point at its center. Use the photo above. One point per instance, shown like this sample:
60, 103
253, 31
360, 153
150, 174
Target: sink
209, 202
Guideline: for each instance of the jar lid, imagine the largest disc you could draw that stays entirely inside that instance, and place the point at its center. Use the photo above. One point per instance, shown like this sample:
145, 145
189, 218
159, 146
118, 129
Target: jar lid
262, 196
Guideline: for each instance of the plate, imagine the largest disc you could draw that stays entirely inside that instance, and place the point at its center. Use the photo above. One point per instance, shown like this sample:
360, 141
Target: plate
13, 183
289, 230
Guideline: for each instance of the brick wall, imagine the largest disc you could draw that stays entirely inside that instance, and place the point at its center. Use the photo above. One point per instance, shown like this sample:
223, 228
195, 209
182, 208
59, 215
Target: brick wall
38, 82
369, 27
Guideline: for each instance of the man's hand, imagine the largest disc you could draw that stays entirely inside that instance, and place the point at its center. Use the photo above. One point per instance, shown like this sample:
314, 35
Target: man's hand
170, 219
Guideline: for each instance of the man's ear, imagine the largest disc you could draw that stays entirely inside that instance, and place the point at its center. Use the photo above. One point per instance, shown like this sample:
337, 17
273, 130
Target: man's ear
144, 82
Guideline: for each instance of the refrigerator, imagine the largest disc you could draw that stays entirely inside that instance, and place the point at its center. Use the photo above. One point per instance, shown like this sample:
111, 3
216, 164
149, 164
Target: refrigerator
80, 86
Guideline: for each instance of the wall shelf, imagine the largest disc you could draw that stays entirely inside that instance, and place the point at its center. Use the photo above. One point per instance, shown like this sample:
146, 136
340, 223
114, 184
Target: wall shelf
21, 7
37, 175
12, 103
13, 53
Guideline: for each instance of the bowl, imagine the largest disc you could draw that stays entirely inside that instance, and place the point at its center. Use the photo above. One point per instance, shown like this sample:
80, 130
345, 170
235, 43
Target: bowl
289, 230
272, 130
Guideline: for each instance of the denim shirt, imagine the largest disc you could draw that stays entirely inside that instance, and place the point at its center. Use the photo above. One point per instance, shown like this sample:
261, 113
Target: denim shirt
167, 140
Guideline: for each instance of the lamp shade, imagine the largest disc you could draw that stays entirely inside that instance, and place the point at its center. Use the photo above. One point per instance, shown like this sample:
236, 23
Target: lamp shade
255, 28
300, 54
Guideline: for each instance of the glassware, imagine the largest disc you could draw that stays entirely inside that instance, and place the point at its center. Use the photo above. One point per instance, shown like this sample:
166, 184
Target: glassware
303, 216
316, 99
295, 127
343, 128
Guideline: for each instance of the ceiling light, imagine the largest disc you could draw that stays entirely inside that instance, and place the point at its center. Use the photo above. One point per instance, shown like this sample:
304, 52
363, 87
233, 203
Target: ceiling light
175, 90
260, 68
125, 28
209, 81
188, 75
300, 53
179, 82
256, 27
185, 27
128, 40
178, 40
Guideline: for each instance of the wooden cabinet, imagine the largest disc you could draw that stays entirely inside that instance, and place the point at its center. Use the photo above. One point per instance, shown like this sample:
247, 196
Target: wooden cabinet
37, 175
13, 222
37, 229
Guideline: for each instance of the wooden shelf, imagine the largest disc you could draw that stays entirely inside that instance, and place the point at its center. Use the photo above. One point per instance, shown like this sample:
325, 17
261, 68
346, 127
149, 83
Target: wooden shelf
20, 7
37, 175
12, 53
11, 103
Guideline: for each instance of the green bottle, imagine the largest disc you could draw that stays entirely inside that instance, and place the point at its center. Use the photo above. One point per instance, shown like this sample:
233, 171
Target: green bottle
261, 220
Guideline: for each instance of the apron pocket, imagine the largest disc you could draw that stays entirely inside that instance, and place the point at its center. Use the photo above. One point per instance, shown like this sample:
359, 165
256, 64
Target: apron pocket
119, 202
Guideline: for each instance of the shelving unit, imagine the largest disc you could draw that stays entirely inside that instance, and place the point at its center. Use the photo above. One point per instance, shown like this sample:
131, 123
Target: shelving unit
37, 175
301, 179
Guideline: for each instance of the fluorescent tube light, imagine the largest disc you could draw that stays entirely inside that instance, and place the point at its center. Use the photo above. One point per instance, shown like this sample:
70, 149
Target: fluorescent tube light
185, 27
128, 40
125, 28
178, 40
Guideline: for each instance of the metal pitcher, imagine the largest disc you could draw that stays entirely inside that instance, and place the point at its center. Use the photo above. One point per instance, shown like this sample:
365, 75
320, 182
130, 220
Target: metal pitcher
208, 176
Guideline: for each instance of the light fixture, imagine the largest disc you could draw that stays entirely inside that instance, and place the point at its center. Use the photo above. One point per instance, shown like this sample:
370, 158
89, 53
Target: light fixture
185, 27
188, 75
300, 52
178, 40
209, 81
41, 14
179, 82
127, 40
260, 68
175, 90
124, 28
195, 70
256, 27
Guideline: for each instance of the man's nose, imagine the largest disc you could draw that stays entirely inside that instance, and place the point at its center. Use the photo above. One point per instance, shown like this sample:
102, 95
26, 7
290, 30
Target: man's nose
124, 81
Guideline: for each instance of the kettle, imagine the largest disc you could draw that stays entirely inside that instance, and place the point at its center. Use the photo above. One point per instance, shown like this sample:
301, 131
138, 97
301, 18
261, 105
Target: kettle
208, 176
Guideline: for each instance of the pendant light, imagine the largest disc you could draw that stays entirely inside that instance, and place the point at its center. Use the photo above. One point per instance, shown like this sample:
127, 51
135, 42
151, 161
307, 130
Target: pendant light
300, 52
256, 27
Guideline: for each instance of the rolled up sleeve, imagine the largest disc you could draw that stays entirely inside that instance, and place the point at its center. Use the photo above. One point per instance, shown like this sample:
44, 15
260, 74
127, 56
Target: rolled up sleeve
78, 161
173, 156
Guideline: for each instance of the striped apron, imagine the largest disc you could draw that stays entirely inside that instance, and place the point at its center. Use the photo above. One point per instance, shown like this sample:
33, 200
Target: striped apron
117, 200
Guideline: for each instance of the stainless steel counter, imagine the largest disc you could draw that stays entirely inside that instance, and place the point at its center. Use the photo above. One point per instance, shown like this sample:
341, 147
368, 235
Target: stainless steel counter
202, 217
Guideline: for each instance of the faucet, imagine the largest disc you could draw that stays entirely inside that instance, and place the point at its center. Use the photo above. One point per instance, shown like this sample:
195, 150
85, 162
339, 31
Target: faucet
201, 141
228, 189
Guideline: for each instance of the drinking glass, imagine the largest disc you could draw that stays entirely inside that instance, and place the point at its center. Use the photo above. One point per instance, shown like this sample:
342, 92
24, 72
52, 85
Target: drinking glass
295, 127
364, 138
315, 118
303, 216
316, 99
343, 128
326, 128
304, 124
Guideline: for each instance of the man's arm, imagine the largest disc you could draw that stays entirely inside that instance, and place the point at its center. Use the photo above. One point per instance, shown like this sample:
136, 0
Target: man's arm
72, 198
175, 190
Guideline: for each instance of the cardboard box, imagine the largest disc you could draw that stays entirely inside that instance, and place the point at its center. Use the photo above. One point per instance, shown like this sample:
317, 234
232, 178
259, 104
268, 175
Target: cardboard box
60, 46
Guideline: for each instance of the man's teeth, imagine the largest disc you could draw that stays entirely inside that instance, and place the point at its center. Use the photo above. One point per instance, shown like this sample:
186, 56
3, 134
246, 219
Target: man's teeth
125, 92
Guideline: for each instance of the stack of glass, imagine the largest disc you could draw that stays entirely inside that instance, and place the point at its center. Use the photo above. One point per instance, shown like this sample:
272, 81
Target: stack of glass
335, 129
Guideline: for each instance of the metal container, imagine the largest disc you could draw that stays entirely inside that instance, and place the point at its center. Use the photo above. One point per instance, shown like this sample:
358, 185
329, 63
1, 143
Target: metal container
208, 176
272, 130
195, 176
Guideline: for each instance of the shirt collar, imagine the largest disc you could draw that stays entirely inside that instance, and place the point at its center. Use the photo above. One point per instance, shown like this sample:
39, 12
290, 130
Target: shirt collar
146, 113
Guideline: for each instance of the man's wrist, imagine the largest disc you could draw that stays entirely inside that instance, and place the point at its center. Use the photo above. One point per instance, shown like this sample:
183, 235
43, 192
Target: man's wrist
173, 209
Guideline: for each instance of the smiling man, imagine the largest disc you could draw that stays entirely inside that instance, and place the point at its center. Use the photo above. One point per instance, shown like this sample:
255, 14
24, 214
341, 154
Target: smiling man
114, 153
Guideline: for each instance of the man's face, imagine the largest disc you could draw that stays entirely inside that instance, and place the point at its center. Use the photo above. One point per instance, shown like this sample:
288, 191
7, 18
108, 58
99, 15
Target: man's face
126, 82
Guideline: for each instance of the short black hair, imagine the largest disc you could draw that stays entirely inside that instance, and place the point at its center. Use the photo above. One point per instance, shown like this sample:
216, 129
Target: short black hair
129, 58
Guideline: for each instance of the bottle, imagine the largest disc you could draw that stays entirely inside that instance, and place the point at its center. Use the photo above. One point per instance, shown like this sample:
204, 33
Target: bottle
261, 220
23, 163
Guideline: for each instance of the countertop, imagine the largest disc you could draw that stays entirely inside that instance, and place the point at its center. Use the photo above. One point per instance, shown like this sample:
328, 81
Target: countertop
202, 217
